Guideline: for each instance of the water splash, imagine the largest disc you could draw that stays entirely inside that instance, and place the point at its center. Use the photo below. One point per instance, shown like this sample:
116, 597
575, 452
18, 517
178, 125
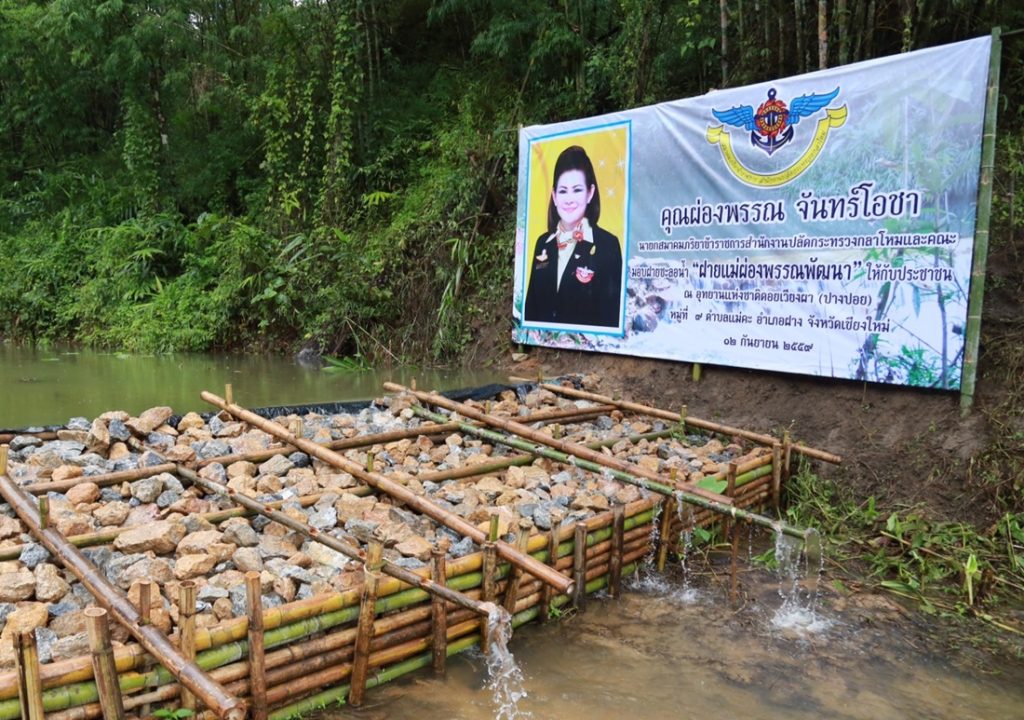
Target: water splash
799, 609
506, 679
687, 594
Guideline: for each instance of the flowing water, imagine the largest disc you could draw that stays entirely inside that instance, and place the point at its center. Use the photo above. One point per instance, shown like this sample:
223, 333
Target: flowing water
47, 386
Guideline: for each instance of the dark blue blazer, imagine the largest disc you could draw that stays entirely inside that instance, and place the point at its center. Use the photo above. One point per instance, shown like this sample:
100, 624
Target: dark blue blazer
591, 290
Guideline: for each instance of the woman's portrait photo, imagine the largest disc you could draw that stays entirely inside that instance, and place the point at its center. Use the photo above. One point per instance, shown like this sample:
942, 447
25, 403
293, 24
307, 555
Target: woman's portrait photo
575, 266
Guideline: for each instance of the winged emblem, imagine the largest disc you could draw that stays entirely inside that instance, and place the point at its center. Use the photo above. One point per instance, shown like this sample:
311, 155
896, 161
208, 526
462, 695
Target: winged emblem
771, 125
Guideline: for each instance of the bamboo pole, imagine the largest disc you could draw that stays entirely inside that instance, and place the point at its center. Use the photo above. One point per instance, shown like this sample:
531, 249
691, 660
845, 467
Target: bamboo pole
396, 571
695, 422
438, 607
972, 337
103, 663
579, 566
103, 480
393, 489
576, 450
516, 576
668, 511
257, 664
3, 459
777, 476
618, 531
547, 593
187, 632
117, 604
734, 529
30, 689
366, 613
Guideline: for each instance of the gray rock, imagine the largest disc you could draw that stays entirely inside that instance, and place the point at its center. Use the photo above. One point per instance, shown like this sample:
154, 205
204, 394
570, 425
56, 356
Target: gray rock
167, 498
69, 603
20, 442
237, 595
5, 610
241, 535
172, 483
99, 556
324, 519
362, 529
465, 546
195, 523
129, 462
542, 518
297, 573
216, 472
277, 465
562, 477
211, 449
33, 554
305, 591
259, 522
150, 459
209, 593
299, 459
45, 639
65, 449
90, 461
604, 423
409, 562
148, 489
161, 441
247, 559
215, 424
118, 430
79, 423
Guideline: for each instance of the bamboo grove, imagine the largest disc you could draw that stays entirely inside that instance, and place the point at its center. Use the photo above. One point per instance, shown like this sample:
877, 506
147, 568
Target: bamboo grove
269, 174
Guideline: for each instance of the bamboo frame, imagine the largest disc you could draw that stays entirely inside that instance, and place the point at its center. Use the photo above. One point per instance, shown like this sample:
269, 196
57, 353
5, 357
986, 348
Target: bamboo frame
187, 632
98, 630
30, 689
364, 629
188, 673
695, 422
257, 661
393, 489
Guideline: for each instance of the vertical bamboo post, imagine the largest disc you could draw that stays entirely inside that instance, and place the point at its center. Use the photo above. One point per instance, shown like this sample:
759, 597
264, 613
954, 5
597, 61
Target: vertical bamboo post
682, 419
777, 476
787, 455
579, 565
733, 532
547, 592
364, 632
369, 461
257, 661
103, 667
30, 684
490, 581
615, 566
696, 372
3, 459
229, 395
438, 606
187, 630
516, 573
972, 335
44, 512
145, 601
668, 509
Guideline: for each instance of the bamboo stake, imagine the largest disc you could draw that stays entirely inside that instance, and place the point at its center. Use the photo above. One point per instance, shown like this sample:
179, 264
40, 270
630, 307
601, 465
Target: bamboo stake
393, 489
103, 663
577, 450
145, 601
396, 571
257, 664
438, 607
618, 531
668, 511
490, 584
777, 476
579, 565
44, 512
117, 604
30, 689
695, 422
733, 528
787, 456
547, 593
229, 394
3, 459
187, 632
366, 613
512, 590
104, 480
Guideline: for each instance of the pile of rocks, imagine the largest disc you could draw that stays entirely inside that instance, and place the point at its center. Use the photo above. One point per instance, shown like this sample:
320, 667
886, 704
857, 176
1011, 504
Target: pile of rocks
160, 532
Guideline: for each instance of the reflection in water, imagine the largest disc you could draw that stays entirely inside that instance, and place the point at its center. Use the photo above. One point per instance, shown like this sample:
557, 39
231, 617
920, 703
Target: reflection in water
654, 656
48, 386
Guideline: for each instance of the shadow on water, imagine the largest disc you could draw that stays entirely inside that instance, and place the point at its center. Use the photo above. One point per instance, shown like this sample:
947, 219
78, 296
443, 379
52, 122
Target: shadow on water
662, 652
49, 386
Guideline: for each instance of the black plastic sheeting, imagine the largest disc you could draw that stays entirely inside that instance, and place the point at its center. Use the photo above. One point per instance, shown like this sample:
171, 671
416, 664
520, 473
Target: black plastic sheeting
331, 408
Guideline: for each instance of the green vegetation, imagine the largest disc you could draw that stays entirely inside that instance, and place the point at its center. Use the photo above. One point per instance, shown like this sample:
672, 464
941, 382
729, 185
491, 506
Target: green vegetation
947, 567
271, 174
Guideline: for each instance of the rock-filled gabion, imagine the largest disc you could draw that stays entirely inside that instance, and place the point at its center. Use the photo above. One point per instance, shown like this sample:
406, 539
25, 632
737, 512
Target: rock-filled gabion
162, 535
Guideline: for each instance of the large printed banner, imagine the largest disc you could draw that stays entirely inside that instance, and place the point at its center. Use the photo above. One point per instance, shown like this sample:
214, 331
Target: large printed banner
821, 224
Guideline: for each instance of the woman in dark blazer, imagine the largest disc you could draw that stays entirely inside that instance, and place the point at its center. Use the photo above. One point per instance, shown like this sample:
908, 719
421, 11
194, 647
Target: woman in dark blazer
576, 273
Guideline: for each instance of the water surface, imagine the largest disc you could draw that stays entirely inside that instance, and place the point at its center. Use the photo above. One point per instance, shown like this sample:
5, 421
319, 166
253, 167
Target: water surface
46, 386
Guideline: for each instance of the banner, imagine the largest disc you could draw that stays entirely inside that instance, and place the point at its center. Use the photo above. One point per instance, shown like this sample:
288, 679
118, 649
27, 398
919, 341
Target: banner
821, 224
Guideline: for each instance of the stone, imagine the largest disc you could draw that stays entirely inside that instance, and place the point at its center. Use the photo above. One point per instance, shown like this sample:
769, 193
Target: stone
277, 465
241, 467
190, 420
271, 546
9, 527
239, 532
351, 507
85, 492
153, 569
98, 438
20, 442
72, 646
415, 546
211, 449
111, 514
323, 555
324, 519
160, 537
147, 490
590, 501
50, 586
167, 498
28, 616
142, 514
68, 624
33, 554
190, 566
182, 454
149, 421
17, 586
247, 559
72, 523
627, 494
206, 542
66, 472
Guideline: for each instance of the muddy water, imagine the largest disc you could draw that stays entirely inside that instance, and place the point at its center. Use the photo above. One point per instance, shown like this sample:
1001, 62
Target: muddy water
49, 386
654, 654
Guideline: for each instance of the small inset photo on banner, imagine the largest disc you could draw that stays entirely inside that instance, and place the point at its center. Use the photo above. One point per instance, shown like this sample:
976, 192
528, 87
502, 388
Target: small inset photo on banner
576, 224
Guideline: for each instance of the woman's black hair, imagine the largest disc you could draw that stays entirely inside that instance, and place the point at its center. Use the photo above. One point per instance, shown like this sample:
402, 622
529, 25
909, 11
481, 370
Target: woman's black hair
575, 158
